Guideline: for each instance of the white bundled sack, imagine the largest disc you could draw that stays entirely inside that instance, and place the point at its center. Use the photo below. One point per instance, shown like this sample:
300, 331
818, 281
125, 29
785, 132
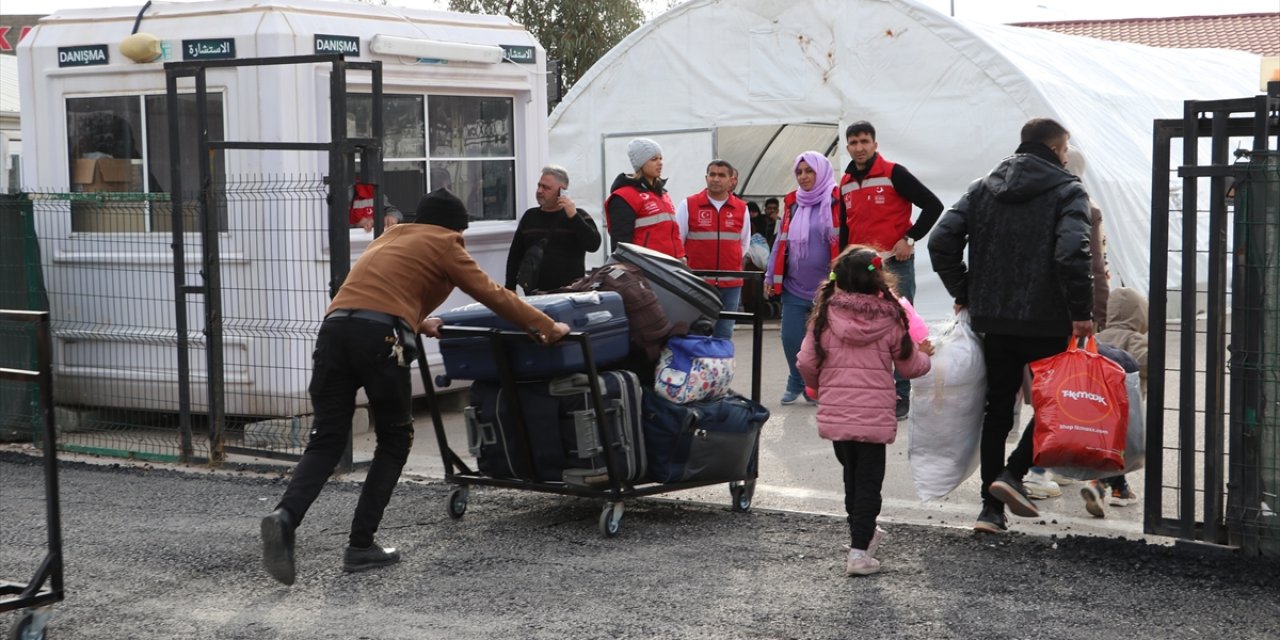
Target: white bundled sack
947, 406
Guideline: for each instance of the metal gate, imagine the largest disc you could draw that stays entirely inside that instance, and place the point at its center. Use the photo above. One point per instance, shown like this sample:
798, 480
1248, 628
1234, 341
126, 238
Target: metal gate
210, 201
1213, 416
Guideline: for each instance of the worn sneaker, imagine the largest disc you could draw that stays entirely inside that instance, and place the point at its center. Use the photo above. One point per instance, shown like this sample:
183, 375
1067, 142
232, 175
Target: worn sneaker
373, 556
1040, 487
991, 520
1059, 478
277, 546
790, 397
903, 408
876, 538
1122, 495
1092, 492
1009, 490
860, 563
810, 399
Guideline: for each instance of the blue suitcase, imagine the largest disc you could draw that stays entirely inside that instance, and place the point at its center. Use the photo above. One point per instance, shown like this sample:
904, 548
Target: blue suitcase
598, 313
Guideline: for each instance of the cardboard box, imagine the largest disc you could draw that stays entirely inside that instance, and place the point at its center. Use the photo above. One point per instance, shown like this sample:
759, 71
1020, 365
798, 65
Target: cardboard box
104, 174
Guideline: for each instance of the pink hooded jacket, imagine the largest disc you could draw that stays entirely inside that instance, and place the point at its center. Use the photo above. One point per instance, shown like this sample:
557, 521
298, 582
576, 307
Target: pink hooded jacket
856, 398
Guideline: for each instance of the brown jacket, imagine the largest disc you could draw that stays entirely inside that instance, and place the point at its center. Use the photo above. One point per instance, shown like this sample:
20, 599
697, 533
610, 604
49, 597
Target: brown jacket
412, 268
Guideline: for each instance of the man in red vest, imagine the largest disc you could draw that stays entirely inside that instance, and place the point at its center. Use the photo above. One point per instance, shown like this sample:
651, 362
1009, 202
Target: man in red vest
716, 233
876, 197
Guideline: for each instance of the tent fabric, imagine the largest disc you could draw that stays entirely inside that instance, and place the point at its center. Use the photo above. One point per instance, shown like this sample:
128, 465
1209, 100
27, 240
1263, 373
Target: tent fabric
947, 98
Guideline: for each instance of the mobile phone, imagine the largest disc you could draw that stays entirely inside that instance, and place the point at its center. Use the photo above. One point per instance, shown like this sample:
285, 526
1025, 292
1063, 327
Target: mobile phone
564, 193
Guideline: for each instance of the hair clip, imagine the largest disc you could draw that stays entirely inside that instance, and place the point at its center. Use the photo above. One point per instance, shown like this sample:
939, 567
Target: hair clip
876, 263
831, 276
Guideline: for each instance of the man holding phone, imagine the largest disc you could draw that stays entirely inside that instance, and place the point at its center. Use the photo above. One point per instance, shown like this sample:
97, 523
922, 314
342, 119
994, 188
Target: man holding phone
552, 240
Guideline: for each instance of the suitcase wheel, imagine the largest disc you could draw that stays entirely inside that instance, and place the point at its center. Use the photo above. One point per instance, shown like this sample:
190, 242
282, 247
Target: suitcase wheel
457, 502
611, 519
742, 493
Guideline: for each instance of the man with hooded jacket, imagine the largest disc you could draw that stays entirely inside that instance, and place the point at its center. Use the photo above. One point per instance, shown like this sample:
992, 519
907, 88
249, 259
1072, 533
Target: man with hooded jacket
1027, 285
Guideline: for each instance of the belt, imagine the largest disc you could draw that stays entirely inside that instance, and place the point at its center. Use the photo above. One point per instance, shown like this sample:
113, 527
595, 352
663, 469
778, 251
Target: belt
365, 314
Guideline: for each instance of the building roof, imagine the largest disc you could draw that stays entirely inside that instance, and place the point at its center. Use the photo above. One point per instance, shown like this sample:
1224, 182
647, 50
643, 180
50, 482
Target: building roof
1254, 32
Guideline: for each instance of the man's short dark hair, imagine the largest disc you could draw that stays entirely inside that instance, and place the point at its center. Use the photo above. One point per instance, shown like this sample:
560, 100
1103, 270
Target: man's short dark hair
861, 126
721, 163
1043, 130
771, 201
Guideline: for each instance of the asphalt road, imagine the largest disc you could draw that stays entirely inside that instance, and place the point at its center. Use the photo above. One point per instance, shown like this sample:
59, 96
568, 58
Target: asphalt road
158, 553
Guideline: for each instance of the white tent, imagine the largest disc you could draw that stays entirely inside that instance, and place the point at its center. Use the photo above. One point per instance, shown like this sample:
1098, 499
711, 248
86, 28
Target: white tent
759, 81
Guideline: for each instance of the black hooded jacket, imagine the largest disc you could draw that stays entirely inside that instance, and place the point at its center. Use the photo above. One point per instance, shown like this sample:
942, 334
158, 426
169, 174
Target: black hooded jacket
1027, 229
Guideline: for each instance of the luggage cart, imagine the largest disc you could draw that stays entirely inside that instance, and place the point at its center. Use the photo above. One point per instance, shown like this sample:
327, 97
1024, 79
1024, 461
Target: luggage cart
741, 490
38, 595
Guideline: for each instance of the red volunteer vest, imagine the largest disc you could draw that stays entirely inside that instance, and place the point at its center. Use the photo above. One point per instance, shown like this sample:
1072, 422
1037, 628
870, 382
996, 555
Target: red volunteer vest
877, 215
655, 220
715, 237
779, 267
361, 203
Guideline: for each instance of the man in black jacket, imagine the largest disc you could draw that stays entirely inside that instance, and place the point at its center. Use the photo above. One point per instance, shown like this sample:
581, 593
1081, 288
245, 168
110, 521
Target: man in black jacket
552, 240
1028, 286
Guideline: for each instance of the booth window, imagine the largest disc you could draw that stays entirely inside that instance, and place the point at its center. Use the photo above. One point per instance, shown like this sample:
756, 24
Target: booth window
464, 143
120, 145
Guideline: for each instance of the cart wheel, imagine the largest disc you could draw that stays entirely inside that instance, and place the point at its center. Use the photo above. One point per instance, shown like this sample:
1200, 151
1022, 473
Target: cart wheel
457, 503
610, 519
22, 630
742, 493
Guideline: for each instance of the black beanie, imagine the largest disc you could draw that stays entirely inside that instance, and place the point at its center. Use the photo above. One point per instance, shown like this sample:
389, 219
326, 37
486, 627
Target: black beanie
442, 208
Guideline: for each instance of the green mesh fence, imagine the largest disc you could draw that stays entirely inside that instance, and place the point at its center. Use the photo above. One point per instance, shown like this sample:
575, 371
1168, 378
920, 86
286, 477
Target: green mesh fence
21, 288
104, 265
1254, 505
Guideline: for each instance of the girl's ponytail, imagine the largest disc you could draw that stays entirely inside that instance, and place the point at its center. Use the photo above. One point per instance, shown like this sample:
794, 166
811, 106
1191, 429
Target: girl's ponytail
818, 318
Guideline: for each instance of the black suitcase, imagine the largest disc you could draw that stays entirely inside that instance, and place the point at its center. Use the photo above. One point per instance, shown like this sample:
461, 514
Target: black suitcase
684, 296
599, 313
707, 440
561, 422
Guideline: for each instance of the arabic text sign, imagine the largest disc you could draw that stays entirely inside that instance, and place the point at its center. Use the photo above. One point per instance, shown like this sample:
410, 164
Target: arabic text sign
210, 49
520, 53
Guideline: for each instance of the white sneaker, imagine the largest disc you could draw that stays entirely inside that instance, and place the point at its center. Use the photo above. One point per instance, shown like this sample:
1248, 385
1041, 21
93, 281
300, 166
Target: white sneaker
1060, 479
861, 564
1093, 493
874, 546
1040, 487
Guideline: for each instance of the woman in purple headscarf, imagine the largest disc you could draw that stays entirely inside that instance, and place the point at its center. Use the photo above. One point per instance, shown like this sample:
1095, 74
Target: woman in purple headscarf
808, 240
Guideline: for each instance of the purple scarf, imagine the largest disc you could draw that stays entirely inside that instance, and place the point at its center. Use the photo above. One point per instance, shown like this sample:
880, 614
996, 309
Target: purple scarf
813, 206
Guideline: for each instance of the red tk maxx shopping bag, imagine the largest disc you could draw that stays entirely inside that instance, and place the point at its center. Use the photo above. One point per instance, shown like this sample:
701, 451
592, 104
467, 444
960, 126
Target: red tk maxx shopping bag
1082, 410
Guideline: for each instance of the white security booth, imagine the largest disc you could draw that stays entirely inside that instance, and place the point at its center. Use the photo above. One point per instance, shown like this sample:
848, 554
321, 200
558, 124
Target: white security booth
757, 82
464, 107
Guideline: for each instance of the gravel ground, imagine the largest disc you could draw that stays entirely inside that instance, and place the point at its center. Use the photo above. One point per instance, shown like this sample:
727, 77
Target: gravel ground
159, 553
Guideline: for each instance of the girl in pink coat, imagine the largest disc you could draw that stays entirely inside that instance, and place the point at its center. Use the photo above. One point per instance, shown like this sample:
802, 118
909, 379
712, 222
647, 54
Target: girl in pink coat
857, 337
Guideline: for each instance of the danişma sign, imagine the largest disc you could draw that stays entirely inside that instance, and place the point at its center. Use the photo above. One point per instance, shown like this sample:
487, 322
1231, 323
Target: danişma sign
347, 45
83, 56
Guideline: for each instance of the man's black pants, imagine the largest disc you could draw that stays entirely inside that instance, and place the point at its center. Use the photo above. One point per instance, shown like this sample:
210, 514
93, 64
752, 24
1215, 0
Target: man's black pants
1006, 358
351, 353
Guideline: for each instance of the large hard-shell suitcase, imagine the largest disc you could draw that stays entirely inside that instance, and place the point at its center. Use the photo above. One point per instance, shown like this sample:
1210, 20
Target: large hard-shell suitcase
599, 313
560, 420
702, 441
684, 296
